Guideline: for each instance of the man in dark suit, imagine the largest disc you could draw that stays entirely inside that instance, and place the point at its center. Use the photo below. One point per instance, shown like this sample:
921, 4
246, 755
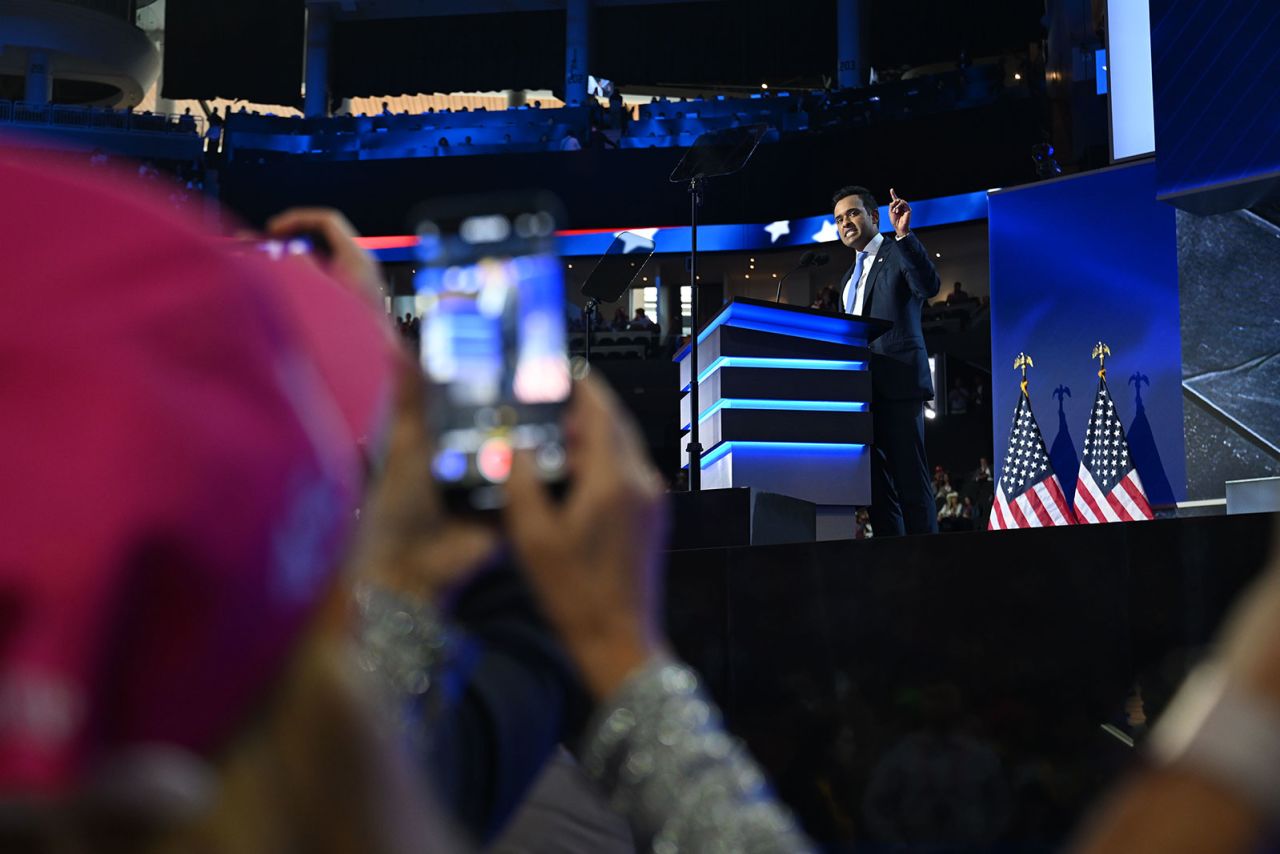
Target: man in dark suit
891, 278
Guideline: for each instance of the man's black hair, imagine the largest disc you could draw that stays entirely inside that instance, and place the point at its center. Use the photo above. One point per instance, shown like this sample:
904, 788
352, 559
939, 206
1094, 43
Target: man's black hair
863, 194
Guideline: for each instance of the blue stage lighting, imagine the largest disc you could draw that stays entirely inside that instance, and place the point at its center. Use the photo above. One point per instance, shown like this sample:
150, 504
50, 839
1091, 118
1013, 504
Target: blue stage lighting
786, 449
782, 405
786, 364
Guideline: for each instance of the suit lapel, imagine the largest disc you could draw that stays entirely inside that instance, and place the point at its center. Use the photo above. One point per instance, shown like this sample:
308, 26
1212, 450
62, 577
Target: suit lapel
877, 269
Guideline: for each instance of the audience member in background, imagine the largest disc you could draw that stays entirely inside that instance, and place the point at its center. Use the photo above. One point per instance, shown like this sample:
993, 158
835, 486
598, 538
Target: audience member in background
213, 135
570, 143
618, 114
862, 525
642, 323
619, 321
980, 486
959, 296
943, 489
951, 517
966, 511
597, 138
827, 299
1211, 779
941, 787
215, 708
410, 329
958, 398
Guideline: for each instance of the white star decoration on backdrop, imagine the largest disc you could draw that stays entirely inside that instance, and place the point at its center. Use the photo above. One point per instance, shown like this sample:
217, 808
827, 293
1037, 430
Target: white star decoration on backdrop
629, 241
778, 229
827, 233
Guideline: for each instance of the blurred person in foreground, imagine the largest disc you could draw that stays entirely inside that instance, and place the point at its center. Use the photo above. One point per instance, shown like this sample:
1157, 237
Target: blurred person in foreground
1211, 782
180, 479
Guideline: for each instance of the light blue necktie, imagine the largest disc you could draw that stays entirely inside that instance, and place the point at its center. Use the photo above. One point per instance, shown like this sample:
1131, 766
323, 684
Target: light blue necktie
852, 299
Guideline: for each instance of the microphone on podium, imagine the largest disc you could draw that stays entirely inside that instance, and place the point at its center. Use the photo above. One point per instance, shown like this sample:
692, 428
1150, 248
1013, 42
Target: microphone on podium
808, 259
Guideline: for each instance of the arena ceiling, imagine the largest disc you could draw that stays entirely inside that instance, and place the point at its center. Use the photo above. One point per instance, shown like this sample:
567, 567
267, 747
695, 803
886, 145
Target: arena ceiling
247, 49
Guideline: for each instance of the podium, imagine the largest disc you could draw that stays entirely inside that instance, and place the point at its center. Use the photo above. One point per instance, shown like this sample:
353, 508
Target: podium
785, 405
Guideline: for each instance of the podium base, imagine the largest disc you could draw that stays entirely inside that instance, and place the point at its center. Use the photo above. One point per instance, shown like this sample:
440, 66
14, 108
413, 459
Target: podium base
742, 516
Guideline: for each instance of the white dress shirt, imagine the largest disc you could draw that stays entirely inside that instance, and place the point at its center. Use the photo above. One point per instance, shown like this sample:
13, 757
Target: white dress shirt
873, 247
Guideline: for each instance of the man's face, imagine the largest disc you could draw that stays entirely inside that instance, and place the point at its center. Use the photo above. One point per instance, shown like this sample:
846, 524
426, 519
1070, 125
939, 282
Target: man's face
855, 224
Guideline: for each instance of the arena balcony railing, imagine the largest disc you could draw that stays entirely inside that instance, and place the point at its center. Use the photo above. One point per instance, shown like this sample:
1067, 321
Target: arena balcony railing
74, 116
660, 124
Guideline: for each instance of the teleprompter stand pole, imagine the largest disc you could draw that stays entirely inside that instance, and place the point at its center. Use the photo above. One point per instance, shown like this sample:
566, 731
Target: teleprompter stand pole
695, 447
714, 153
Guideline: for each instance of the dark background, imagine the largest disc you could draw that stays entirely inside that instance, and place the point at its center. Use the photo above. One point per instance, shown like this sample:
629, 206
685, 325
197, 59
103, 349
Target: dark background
252, 50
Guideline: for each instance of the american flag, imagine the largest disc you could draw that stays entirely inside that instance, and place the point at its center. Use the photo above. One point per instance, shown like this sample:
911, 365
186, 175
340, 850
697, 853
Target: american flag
1028, 495
1108, 489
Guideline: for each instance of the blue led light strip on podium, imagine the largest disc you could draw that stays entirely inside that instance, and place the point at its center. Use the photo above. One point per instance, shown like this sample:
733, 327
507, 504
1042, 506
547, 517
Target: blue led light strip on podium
776, 405
785, 450
785, 364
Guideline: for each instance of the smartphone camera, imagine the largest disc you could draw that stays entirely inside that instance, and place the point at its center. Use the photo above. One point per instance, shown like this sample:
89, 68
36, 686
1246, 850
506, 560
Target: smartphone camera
493, 343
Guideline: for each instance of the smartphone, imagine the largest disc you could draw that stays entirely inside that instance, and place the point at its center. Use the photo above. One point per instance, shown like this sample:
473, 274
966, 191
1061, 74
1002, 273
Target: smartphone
490, 292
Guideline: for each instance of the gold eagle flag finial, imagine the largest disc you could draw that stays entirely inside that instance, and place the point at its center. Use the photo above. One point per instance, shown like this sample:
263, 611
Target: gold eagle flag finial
1023, 362
1101, 352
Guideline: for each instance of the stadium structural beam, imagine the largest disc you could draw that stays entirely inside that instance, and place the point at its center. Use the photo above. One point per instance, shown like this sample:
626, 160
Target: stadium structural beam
850, 73
319, 29
577, 51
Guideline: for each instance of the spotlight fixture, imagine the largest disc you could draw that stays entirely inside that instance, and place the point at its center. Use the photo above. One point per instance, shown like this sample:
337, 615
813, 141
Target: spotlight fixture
937, 255
1017, 76
764, 85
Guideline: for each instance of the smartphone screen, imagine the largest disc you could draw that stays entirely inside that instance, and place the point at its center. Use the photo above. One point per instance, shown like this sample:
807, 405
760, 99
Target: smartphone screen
494, 346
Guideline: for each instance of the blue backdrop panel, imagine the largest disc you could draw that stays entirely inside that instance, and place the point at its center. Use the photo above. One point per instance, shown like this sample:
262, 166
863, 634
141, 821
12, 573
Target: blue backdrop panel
1216, 75
1073, 262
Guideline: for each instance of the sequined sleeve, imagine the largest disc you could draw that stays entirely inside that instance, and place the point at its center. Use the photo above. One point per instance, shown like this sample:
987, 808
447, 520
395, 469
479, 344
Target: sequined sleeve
662, 756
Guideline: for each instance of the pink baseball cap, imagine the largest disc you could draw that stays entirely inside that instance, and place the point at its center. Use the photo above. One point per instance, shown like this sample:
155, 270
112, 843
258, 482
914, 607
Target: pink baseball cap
178, 470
